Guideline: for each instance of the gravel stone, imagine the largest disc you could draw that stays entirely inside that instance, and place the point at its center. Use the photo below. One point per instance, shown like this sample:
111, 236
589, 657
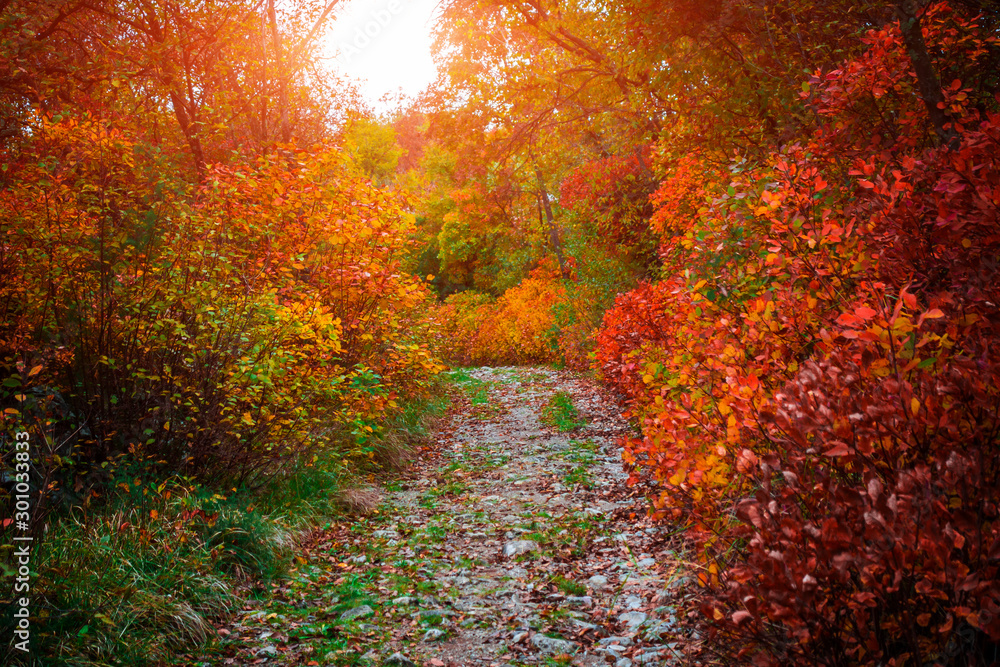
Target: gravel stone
518, 547
358, 612
398, 660
633, 618
433, 634
553, 645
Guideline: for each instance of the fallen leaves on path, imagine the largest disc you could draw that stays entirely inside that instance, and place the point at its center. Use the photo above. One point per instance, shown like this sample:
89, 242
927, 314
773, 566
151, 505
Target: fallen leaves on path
506, 542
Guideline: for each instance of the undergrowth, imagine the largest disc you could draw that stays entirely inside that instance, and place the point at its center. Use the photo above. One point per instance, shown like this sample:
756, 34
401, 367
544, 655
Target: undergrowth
138, 575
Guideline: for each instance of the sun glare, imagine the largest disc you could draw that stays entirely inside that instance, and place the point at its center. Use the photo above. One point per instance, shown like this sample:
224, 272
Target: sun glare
385, 45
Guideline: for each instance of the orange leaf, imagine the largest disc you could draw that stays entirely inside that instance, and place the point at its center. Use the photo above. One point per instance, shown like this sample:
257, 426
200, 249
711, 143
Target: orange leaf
847, 319
865, 313
946, 626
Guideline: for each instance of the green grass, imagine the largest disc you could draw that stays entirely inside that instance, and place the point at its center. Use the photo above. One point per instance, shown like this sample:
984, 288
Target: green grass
561, 414
578, 476
581, 451
134, 582
137, 575
453, 488
476, 391
568, 587
569, 533
354, 592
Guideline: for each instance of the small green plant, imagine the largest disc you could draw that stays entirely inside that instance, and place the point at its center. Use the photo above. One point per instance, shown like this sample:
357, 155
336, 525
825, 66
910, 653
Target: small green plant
578, 475
581, 451
568, 586
454, 488
561, 414
436, 533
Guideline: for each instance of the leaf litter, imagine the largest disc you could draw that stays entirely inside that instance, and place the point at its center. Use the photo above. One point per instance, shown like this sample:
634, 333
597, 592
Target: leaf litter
505, 542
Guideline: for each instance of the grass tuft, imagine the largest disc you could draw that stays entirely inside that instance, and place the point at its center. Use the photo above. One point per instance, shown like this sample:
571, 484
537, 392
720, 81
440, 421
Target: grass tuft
561, 414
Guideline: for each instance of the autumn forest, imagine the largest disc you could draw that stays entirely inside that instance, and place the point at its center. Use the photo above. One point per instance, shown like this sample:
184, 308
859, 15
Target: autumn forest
237, 302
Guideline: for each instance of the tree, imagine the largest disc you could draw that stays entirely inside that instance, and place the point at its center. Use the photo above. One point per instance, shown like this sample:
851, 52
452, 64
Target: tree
209, 66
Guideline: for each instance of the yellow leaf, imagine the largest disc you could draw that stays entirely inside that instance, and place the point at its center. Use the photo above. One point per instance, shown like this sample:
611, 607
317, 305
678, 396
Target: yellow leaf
430, 277
914, 406
647, 378
35, 371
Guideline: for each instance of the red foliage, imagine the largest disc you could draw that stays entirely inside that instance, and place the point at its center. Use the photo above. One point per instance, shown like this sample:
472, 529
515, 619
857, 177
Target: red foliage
639, 317
875, 531
614, 193
823, 359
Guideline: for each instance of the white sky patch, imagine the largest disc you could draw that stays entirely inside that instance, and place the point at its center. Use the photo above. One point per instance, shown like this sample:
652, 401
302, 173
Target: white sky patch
385, 45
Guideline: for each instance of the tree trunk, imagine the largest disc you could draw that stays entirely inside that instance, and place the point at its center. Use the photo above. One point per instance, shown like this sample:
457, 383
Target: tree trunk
189, 131
272, 19
543, 195
928, 83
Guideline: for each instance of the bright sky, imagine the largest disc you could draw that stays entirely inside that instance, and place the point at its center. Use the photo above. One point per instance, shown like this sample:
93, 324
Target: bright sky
385, 44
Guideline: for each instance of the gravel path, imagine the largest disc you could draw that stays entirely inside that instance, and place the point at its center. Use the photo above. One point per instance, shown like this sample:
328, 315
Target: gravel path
508, 542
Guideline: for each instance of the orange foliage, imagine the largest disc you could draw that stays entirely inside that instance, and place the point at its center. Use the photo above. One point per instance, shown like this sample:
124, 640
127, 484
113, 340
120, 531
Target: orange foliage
218, 329
519, 327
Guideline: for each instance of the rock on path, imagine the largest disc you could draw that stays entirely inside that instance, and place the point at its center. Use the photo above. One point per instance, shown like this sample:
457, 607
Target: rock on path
506, 543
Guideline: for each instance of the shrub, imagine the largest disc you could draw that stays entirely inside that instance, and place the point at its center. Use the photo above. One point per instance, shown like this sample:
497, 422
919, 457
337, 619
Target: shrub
218, 331
815, 376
